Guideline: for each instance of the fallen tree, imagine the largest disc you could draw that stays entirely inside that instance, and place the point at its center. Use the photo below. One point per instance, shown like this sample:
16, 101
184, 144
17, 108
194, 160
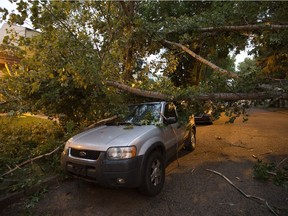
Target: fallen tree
202, 97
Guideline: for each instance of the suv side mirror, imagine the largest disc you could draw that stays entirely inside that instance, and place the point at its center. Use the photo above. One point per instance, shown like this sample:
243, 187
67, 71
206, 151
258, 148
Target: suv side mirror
170, 120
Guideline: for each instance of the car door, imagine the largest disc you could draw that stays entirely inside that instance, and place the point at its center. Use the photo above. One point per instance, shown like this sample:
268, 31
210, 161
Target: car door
172, 131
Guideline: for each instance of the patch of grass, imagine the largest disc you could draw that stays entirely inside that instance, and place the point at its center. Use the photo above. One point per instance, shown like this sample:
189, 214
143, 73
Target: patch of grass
23, 138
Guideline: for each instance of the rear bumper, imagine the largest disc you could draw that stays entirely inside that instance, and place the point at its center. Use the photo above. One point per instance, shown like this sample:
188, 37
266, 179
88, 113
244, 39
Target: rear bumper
115, 173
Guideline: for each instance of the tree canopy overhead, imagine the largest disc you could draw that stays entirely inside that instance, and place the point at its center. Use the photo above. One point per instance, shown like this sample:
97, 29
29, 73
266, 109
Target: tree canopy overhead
87, 48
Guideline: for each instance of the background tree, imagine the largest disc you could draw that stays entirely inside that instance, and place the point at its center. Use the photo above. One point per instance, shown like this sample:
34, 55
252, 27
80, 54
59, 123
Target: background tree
85, 47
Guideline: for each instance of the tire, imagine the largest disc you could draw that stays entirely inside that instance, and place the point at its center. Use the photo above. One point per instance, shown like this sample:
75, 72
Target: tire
153, 175
190, 143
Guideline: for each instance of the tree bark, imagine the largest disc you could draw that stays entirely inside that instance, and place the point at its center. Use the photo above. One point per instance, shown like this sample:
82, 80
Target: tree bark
201, 59
139, 92
241, 96
262, 26
202, 97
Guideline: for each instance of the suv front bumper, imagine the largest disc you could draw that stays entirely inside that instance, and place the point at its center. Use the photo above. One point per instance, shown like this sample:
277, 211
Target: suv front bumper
115, 173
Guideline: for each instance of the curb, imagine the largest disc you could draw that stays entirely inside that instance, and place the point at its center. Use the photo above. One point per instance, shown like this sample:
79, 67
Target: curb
15, 197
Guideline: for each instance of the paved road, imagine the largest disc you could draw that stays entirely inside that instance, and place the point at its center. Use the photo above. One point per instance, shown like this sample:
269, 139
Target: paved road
190, 189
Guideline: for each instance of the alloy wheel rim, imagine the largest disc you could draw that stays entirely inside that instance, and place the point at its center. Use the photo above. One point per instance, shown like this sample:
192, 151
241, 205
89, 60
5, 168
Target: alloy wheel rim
156, 173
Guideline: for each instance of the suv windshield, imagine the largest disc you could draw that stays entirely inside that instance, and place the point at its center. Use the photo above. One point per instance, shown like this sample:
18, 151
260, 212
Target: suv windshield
144, 114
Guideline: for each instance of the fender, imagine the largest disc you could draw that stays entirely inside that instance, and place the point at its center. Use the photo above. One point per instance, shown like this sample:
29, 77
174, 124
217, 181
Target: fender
157, 146
151, 143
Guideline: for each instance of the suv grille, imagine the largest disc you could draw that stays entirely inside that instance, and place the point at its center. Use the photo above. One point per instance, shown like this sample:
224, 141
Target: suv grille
85, 154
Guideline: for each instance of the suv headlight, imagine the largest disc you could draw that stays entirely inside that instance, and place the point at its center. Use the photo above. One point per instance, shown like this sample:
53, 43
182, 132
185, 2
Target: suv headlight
115, 153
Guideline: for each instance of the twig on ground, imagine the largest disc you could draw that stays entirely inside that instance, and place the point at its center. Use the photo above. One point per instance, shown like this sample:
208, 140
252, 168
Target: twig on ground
192, 171
241, 146
242, 192
272, 173
18, 166
230, 204
269, 152
281, 162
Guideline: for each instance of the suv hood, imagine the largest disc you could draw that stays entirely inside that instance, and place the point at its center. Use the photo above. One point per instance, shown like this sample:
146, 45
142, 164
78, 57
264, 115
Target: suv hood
101, 138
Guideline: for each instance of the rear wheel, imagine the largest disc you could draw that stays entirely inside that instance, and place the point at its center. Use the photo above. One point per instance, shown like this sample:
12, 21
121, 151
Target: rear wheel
190, 143
154, 175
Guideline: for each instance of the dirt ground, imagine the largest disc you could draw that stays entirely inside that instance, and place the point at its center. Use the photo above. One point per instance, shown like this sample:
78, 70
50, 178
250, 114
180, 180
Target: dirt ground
190, 189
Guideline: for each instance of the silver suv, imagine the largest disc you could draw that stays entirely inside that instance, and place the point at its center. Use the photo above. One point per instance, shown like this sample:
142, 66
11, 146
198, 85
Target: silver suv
132, 153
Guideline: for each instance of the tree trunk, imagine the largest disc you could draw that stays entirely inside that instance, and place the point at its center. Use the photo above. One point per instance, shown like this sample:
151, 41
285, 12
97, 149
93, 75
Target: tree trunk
139, 92
203, 97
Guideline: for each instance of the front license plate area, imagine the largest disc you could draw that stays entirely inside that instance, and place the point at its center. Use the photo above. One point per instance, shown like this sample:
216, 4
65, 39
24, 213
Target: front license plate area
79, 169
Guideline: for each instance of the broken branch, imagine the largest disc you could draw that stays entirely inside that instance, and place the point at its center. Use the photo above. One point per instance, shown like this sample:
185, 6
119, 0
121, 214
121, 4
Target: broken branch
18, 166
242, 192
103, 121
201, 59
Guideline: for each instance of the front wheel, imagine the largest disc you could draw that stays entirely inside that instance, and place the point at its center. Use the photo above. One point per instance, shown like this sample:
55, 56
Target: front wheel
154, 175
190, 142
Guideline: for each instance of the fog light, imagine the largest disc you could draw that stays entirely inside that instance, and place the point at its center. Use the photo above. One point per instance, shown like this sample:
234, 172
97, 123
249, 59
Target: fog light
120, 181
